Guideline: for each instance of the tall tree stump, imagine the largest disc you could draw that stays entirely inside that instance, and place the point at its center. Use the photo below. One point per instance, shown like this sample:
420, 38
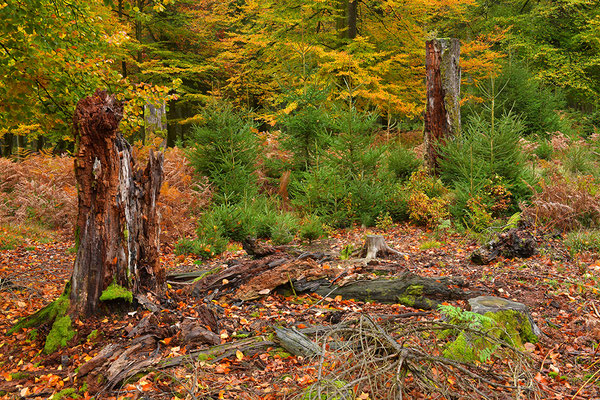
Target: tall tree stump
442, 114
117, 231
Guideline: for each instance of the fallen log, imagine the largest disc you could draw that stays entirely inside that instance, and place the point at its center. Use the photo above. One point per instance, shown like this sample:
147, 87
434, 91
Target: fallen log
297, 342
408, 289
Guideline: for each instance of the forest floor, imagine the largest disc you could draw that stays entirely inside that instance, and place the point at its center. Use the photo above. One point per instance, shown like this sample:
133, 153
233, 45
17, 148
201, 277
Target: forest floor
562, 292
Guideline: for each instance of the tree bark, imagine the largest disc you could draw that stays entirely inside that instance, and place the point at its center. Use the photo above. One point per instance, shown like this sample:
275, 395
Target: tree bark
442, 114
117, 231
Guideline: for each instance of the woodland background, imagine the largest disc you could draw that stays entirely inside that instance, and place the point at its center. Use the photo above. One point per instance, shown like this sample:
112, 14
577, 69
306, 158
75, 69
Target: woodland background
297, 121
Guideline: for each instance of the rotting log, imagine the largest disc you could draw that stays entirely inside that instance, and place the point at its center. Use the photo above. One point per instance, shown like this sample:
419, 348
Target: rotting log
117, 231
408, 289
442, 113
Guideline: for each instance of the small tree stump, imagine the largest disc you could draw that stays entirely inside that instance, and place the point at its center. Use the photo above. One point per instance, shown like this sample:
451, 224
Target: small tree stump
485, 304
375, 245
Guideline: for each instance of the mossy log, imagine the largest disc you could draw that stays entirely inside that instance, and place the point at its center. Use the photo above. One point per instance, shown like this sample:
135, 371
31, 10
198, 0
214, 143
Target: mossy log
408, 289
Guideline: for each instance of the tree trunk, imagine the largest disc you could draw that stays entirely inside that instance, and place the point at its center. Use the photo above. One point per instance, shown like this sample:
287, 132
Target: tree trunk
442, 115
117, 229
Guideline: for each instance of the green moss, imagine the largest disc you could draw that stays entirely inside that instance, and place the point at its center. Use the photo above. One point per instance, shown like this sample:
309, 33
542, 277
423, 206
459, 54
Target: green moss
511, 326
207, 273
330, 390
460, 349
19, 375
59, 335
83, 388
413, 297
65, 394
93, 335
116, 292
47, 314
205, 357
507, 326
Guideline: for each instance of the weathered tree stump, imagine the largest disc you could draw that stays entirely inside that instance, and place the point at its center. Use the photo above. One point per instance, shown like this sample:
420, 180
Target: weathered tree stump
442, 115
117, 231
485, 304
375, 245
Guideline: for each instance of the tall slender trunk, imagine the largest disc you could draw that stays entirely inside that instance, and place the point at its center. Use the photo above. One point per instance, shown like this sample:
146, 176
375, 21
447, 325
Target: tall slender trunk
442, 114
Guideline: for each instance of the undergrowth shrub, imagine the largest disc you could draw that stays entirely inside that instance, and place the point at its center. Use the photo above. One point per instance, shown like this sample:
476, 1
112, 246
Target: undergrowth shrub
564, 203
312, 228
486, 169
224, 149
428, 199
402, 162
581, 240
348, 183
41, 189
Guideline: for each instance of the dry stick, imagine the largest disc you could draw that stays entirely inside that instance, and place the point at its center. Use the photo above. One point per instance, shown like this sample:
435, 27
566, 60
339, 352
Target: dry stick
587, 381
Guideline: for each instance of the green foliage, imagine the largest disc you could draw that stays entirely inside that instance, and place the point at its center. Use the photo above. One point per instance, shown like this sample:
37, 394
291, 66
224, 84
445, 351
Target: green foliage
328, 390
583, 240
478, 337
544, 150
346, 252
486, 169
116, 292
517, 91
69, 393
384, 221
396, 204
59, 335
312, 228
402, 162
430, 244
306, 124
224, 148
579, 160
351, 170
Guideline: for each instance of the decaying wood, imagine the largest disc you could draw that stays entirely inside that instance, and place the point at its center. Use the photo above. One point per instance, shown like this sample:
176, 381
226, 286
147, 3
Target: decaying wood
514, 243
264, 283
257, 250
248, 347
374, 246
117, 225
297, 342
193, 332
442, 114
408, 289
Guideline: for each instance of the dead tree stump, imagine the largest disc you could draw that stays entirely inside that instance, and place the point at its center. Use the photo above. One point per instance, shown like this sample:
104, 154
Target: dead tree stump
442, 115
375, 245
117, 231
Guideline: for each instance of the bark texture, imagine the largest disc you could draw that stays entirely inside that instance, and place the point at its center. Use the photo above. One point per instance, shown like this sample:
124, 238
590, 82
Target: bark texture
442, 114
117, 229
